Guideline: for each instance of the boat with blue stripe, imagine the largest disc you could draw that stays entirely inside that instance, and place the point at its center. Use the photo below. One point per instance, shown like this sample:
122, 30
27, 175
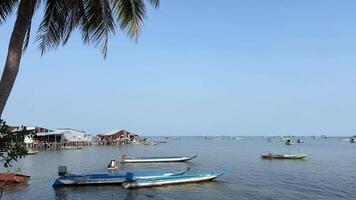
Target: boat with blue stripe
107, 178
134, 182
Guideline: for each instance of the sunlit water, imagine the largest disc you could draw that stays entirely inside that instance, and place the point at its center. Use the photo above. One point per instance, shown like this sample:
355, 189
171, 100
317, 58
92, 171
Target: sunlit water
329, 172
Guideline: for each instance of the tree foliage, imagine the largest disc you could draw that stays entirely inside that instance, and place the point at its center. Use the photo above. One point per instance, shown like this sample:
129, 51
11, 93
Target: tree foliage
95, 19
12, 144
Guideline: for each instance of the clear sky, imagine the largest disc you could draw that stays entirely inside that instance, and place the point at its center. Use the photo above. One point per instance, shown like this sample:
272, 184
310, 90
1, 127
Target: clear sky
218, 67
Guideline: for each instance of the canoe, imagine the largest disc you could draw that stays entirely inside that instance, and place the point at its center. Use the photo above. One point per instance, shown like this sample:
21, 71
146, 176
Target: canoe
105, 179
283, 156
157, 159
13, 178
133, 182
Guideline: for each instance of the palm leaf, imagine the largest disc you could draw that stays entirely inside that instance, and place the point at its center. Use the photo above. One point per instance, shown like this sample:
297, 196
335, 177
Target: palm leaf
154, 3
28, 32
76, 14
50, 32
97, 24
6, 8
130, 14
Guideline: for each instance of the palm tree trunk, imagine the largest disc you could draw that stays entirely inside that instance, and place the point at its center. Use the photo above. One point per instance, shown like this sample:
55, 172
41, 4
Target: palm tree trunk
12, 64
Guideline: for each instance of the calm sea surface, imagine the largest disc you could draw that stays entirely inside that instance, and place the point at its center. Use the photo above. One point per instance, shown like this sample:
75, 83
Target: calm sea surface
328, 173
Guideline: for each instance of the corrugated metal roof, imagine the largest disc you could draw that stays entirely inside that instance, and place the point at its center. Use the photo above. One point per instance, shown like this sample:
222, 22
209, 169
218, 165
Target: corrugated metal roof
111, 132
50, 133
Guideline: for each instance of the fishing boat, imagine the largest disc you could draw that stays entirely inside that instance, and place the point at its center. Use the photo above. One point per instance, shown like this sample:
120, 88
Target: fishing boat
7, 178
282, 156
73, 147
31, 151
300, 141
107, 179
289, 142
132, 182
157, 159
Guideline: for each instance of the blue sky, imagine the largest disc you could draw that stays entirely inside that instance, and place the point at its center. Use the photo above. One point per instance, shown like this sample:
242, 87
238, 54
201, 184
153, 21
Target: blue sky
214, 67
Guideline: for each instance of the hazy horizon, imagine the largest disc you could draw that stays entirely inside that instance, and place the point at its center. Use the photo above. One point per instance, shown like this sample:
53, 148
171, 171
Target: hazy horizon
234, 68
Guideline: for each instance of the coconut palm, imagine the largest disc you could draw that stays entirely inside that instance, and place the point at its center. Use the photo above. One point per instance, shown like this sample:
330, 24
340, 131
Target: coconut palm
95, 19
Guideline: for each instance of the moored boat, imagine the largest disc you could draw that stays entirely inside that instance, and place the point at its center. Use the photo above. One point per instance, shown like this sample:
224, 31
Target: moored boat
13, 178
73, 147
157, 159
105, 179
31, 151
132, 182
289, 142
283, 156
300, 141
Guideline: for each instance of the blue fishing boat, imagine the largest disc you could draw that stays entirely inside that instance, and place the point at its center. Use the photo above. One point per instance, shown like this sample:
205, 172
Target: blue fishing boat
133, 182
109, 178
157, 159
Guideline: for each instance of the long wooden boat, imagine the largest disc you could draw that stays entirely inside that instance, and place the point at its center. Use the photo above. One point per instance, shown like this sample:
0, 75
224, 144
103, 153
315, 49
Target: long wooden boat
105, 179
283, 156
133, 182
157, 159
13, 178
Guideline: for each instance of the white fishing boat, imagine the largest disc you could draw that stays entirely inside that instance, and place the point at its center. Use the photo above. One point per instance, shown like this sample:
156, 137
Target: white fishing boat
157, 159
132, 182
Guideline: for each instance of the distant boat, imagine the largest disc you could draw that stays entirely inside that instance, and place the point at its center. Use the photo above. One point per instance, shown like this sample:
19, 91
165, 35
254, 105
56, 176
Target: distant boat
133, 182
282, 156
238, 138
11, 178
73, 147
31, 152
289, 142
105, 179
300, 141
353, 140
157, 159
344, 139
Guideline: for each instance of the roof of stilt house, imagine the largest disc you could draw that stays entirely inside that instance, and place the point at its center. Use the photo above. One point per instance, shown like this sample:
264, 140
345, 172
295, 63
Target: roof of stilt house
113, 132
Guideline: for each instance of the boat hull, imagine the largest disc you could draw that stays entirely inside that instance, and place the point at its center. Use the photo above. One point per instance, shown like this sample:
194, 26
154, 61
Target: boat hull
172, 180
13, 178
157, 159
283, 156
106, 179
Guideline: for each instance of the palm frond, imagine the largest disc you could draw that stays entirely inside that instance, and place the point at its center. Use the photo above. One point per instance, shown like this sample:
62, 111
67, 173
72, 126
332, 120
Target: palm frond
50, 32
76, 14
97, 24
28, 32
154, 3
6, 8
130, 14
